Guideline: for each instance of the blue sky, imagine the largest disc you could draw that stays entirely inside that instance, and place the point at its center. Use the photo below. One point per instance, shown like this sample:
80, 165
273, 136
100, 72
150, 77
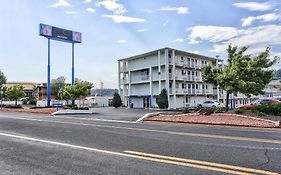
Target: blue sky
113, 29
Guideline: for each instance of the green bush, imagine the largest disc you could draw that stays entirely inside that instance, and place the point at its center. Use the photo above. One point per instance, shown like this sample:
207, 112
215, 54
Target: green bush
13, 106
32, 102
218, 109
163, 102
260, 113
185, 110
116, 101
24, 101
238, 111
269, 109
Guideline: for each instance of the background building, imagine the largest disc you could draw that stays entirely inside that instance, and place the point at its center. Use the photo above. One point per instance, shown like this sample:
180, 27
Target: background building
28, 87
142, 77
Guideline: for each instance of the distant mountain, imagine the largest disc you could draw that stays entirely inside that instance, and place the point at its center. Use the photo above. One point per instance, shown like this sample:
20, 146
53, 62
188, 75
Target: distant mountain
103, 92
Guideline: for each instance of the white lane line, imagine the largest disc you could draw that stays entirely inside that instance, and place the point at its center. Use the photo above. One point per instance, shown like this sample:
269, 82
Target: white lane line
96, 119
190, 134
153, 159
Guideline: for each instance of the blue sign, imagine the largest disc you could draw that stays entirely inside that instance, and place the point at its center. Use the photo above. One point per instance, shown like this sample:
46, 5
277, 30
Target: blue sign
60, 34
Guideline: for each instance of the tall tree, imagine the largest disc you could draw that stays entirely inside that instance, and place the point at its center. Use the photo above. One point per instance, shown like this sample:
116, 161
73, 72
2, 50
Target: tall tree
3, 79
57, 85
163, 102
15, 93
80, 89
242, 73
116, 101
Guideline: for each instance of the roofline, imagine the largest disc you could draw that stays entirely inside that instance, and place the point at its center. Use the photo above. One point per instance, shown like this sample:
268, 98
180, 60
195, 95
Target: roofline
155, 51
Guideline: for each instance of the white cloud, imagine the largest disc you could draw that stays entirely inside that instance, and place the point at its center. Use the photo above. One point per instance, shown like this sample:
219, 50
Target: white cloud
70, 12
61, 3
254, 6
178, 40
123, 19
264, 18
254, 37
211, 33
112, 5
179, 10
165, 23
91, 10
194, 51
147, 10
87, 1
121, 41
141, 30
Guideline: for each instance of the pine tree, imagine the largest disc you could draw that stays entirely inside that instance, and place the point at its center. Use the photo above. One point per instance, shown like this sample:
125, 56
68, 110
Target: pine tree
163, 100
116, 102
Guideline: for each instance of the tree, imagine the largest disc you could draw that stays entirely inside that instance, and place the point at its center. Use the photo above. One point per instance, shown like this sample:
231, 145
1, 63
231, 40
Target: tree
80, 89
57, 85
242, 73
3, 78
15, 93
116, 102
163, 100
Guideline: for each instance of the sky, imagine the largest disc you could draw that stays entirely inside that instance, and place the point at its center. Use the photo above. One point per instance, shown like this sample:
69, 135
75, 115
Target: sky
115, 29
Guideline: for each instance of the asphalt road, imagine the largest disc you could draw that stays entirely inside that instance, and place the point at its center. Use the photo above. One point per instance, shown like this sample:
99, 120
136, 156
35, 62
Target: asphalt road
37, 144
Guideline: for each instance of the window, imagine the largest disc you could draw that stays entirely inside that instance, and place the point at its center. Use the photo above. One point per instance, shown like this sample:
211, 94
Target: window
195, 61
192, 72
193, 86
144, 74
196, 73
170, 70
182, 59
177, 85
170, 85
203, 87
202, 62
182, 72
206, 86
196, 86
189, 86
169, 55
188, 72
187, 99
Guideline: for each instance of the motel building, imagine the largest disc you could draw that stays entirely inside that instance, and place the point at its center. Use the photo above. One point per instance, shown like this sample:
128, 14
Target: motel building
142, 77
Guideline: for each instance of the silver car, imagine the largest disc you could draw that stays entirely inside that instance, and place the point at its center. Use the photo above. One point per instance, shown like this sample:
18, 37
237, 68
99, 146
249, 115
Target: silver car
209, 104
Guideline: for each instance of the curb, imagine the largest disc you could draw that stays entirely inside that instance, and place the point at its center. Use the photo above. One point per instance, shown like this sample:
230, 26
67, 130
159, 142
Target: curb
217, 124
141, 120
73, 112
277, 124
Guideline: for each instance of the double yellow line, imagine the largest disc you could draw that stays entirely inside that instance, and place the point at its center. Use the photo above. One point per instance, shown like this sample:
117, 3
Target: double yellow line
210, 166
200, 164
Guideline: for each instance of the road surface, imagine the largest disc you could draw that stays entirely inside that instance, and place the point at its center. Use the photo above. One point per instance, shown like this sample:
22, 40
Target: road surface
38, 144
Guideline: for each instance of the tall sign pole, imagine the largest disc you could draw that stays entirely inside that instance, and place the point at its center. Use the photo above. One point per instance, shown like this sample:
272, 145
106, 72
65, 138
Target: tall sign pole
73, 79
49, 76
59, 34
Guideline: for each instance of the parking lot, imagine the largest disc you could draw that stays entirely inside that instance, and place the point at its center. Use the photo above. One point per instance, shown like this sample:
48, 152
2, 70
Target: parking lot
110, 113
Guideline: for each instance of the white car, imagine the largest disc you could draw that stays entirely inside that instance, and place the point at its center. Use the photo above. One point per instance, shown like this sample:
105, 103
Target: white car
209, 104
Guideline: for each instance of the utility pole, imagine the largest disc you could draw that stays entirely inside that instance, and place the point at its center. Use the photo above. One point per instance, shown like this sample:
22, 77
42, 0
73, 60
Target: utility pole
1, 92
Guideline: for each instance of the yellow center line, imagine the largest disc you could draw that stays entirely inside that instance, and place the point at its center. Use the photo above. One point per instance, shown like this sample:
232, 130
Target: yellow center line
251, 170
204, 167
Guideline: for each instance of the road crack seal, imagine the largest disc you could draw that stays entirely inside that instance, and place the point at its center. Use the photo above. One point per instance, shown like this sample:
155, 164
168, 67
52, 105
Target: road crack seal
266, 155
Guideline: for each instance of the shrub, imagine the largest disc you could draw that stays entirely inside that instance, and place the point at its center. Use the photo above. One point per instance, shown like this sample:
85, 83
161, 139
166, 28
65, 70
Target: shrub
116, 102
238, 111
185, 110
218, 109
269, 109
32, 102
24, 101
163, 100
13, 106
260, 113
206, 111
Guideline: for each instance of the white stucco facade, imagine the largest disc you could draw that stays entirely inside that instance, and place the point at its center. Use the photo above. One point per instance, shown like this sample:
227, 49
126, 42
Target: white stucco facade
142, 77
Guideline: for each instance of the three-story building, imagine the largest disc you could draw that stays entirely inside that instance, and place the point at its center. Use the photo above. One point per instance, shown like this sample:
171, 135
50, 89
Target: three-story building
141, 78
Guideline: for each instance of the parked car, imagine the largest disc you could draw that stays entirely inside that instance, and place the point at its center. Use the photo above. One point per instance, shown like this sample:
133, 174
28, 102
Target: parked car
209, 104
259, 102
